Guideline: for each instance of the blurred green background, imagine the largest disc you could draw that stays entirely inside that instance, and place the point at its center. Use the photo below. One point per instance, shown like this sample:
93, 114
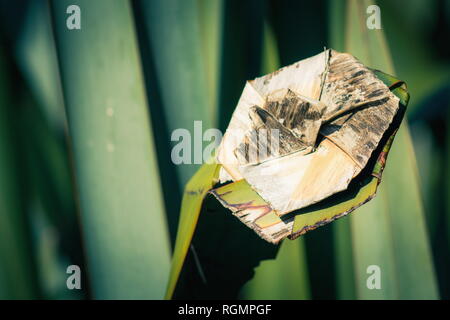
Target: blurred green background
86, 176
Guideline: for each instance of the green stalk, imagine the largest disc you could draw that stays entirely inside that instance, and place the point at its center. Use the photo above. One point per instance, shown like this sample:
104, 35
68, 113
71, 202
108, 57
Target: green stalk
121, 203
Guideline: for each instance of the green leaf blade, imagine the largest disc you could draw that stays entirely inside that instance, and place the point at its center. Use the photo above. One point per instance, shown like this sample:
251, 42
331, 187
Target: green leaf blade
122, 211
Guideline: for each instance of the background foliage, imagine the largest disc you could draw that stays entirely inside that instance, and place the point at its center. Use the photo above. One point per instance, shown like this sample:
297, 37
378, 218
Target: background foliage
86, 176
